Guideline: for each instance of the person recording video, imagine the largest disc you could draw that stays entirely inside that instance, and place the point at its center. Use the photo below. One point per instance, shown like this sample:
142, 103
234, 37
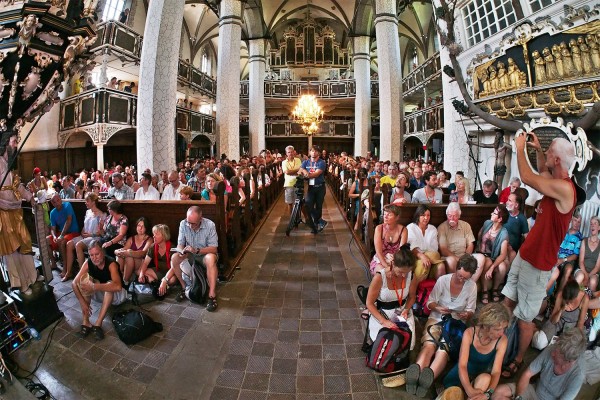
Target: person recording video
313, 169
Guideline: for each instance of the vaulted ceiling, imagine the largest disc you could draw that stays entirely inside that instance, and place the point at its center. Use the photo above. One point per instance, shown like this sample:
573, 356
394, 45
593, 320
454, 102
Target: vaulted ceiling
269, 18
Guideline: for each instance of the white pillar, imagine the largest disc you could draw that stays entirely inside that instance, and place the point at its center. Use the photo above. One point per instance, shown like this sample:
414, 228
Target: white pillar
103, 69
362, 104
158, 86
257, 95
100, 157
389, 71
228, 78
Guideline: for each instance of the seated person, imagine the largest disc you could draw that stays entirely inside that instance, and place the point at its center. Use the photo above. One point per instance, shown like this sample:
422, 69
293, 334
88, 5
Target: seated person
114, 234
64, 227
99, 280
454, 293
146, 190
515, 183
92, 226
589, 258
481, 353
568, 252
389, 236
516, 225
455, 238
461, 194
186, 193
131, 255
399, 194
210, 185
486, 194
570, 310
423, 239
492, 256
430, 193
157, 263
561, 368
392, 293
198, 239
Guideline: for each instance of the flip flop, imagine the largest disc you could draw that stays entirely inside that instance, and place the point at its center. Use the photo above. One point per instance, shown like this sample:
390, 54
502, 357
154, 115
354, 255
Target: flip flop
98, 332
425, 382
412, 378
511, 369
485, 297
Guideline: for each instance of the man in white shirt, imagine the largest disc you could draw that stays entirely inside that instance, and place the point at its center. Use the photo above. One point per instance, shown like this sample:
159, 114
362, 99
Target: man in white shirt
290, 167
171, 191
146, 190
430, 193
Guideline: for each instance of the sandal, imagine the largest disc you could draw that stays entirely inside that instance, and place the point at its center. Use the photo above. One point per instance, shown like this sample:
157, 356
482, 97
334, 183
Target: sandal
511, 369
211, 304
180, 297
98, 332
485, 297
83, 332
497, 296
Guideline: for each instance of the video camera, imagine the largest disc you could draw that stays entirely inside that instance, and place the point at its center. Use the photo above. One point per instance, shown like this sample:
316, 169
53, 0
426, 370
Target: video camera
299, 186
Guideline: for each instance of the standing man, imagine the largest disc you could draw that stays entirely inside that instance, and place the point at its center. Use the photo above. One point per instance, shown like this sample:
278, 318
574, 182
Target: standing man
430, 193
290, 166
198, 239
313, 169
63, 224
525, 287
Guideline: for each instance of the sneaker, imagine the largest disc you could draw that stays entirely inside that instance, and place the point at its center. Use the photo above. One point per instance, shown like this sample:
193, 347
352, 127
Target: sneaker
322, 225
211, 304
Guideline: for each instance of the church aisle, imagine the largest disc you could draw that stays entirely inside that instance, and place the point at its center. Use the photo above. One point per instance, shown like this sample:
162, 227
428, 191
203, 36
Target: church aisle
299, 334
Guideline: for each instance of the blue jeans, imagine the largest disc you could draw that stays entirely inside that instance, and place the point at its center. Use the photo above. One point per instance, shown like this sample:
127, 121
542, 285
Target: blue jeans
314, 204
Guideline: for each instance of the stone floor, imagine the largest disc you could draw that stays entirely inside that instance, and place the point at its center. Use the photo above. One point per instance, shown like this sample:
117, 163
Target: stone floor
287, 327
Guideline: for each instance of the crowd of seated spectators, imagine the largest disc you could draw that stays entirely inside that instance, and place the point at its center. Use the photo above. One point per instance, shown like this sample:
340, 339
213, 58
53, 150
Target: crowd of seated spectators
469, 267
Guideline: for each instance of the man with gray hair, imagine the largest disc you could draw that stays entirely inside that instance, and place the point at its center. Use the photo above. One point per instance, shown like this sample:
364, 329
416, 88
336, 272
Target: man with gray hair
530, 271
456, 238
561, 368
119, 190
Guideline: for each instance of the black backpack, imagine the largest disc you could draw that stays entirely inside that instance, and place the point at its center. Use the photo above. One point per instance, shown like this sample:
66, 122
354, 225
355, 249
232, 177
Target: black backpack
389, 351
512, 347
134, 326
198, 290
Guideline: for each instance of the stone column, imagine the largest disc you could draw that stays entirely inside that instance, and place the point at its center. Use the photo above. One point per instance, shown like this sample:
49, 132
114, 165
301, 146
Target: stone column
157, 94
103, 77
257, 95
390, 96
228, 79
362, 104
100, 157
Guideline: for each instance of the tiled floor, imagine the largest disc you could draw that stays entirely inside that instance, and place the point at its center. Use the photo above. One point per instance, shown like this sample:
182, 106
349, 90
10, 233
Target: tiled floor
287, 327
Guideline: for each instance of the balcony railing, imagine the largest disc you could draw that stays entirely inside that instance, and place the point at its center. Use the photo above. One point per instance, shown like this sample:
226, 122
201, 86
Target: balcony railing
118, 38
98, 106
430, 119
191, 76
193, 121
345, 88
330, 127
423, 74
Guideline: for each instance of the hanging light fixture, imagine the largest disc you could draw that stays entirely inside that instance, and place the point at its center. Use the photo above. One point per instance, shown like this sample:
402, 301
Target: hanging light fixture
308, 113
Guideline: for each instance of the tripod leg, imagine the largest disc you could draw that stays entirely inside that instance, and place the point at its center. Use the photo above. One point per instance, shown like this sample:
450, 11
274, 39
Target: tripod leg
295, 215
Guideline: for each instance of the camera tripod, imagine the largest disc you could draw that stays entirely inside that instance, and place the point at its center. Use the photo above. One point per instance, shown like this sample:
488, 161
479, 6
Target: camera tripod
296, 216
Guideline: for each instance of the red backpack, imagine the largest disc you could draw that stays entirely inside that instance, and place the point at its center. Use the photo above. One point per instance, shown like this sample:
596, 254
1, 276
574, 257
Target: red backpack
390, 350
423, 291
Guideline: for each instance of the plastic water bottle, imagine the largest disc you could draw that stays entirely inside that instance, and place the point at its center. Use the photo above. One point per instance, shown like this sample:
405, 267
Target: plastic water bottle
34, 333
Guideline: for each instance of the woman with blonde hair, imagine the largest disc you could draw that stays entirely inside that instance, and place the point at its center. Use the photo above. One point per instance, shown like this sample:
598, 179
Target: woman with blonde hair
157, 263
481, 353
186, 193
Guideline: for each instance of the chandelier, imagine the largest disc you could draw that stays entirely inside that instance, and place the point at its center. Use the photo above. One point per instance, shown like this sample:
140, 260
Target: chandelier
308, 113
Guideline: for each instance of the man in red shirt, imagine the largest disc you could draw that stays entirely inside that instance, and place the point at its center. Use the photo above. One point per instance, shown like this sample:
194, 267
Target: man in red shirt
526, 284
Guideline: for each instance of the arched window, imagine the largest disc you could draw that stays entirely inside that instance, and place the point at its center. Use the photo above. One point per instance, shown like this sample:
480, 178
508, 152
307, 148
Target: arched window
112, 9
205, 65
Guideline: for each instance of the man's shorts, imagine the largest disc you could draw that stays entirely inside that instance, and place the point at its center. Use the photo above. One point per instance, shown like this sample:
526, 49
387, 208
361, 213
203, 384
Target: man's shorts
118, 297
186, 265
290, 195
526, 285
67, 237
87, 241
529, 393
435, 336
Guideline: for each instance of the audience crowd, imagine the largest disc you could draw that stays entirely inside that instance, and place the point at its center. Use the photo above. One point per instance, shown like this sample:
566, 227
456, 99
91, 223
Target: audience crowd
480, 278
